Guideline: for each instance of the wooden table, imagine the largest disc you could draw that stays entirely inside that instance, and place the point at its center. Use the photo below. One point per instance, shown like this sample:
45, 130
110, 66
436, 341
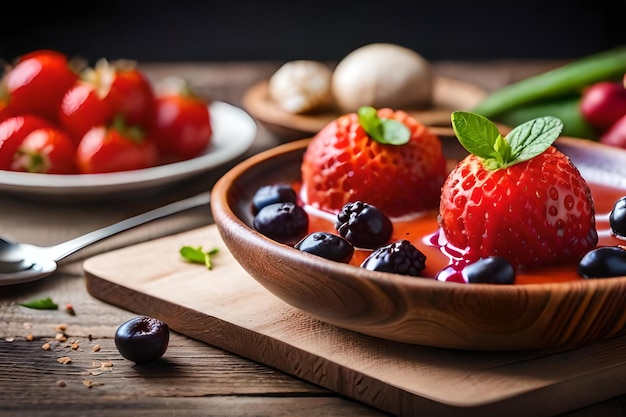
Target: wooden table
196, 379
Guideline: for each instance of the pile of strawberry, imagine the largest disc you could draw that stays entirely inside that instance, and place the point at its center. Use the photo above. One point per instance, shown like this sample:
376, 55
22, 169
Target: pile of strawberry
59, 116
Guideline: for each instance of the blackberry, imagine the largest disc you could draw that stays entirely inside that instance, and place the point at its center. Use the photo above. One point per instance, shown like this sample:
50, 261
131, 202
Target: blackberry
399, 257
363, 225
273, 193
327, 245
283, 222
491, 270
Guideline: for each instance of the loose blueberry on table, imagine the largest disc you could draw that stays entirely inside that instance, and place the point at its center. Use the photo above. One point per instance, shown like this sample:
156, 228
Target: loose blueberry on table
142, 339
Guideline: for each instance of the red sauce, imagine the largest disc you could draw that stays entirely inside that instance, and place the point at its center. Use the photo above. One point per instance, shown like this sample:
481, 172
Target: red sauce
423, 232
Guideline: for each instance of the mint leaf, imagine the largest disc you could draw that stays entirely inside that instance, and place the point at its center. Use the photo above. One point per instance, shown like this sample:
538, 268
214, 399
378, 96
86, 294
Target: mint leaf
192, 254
198, 255
480, 136
477, 134
385, 131
41, 304
533, 137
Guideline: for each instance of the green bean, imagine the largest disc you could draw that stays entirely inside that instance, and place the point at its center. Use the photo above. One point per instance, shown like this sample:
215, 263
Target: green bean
565, 108
567, 79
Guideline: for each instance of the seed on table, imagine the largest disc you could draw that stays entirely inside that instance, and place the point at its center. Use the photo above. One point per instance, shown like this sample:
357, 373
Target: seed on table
64, 360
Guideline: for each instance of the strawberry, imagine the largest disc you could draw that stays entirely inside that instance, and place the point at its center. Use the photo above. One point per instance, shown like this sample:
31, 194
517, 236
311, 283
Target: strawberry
516, 197
382, 157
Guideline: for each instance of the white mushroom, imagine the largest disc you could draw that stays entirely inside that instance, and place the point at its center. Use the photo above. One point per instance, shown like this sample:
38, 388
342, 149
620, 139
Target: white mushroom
383, 75
301, 86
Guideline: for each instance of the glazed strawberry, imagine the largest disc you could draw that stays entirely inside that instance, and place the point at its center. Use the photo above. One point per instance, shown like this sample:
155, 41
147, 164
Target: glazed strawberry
516, 197
385, 158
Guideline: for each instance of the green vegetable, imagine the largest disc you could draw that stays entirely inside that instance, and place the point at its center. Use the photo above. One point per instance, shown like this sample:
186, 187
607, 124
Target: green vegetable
385, 131
566, 80
566, 109
198, 255
480, 136
41, 304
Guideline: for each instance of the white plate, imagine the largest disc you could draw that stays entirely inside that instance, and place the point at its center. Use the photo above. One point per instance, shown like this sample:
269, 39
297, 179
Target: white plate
233, 133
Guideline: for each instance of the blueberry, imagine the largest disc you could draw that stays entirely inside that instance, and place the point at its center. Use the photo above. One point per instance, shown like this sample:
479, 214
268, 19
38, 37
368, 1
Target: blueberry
273, 193
617, 218
603, 262
399, 257
364, 225
283, 222
491, 270
142, 339
327, 245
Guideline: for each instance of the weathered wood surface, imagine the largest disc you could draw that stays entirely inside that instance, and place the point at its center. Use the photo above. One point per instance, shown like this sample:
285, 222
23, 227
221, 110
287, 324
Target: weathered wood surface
226, 308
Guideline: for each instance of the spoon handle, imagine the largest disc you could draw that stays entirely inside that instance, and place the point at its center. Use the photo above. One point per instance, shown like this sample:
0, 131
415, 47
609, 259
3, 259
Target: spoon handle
64, 249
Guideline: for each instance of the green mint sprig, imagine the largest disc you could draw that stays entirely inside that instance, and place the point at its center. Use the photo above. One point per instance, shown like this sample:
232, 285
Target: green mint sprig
196, 254
385, 131
480, 136
41, 304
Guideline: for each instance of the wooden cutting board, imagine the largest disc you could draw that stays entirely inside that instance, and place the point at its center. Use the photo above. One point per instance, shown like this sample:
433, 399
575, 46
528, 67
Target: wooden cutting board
227, 308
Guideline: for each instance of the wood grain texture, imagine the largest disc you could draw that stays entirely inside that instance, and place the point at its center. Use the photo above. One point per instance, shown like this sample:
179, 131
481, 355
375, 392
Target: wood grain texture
226, 308
191, 379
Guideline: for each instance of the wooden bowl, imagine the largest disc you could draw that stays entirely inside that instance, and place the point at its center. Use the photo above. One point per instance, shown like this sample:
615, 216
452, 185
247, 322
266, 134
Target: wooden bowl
448, 95
416, 310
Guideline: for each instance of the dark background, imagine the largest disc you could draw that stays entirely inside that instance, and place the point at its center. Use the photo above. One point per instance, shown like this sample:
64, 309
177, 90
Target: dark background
240, 30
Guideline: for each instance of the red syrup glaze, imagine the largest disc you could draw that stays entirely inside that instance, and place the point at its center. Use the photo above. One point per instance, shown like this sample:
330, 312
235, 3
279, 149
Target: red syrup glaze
424, 233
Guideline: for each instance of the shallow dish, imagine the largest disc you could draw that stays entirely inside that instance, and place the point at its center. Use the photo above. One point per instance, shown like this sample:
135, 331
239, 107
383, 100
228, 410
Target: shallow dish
417, 310
448, 94
233, 133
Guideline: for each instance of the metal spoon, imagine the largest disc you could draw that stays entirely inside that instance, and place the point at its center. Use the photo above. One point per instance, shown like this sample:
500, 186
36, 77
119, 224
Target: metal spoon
20, 262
